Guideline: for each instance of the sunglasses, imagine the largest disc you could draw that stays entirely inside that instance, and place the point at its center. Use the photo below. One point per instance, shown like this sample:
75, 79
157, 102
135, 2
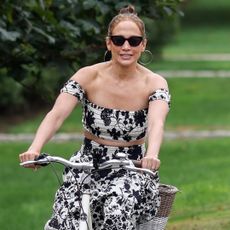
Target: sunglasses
133, 41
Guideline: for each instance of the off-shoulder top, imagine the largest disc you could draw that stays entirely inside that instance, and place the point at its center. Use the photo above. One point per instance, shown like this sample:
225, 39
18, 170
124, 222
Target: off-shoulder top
113, 124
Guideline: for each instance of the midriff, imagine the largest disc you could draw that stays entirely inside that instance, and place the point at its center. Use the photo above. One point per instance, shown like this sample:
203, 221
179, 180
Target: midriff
115, 143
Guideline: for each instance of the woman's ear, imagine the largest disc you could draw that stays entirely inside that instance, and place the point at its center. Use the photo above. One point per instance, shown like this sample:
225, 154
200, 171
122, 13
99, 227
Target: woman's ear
108, 43
144, 44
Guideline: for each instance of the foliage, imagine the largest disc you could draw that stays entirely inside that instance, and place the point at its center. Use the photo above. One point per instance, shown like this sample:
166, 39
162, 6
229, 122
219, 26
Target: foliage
207, 12
38, 34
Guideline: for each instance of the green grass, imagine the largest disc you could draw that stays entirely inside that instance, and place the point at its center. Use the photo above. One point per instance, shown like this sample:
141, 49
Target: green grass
199, 103
26, 197
199, 168
200, 40
71, 124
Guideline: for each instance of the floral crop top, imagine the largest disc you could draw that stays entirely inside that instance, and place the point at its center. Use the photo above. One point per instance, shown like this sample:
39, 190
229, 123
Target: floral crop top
109, 123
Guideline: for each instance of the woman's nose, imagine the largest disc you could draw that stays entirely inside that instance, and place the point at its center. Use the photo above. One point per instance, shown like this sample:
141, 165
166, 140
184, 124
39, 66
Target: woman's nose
126, 45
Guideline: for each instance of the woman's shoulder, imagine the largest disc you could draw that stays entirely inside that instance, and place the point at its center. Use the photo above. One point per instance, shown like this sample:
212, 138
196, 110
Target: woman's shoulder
154, 80
87, 74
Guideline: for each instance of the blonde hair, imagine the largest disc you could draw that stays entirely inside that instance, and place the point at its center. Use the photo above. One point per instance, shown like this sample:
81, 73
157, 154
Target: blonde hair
127, 13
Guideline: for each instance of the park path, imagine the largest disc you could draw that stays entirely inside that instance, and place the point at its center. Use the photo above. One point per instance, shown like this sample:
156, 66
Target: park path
195, 73
169, 135
218, 57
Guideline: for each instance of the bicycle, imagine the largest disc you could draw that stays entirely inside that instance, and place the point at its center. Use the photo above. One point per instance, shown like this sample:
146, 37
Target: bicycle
167, 192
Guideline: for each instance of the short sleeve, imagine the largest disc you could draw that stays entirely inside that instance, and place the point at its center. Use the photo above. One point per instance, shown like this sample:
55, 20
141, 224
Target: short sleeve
73, 88
161, 94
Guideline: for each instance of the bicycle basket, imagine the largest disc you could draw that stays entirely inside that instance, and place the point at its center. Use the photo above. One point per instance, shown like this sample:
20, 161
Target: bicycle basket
167, 194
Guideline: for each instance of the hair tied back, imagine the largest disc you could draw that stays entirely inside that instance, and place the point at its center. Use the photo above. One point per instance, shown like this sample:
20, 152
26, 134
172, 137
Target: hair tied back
129, 9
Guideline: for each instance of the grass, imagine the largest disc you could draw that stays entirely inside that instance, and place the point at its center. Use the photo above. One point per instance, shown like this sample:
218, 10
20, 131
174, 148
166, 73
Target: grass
26, 197
199, 103
200, 40
199, 168
72, 123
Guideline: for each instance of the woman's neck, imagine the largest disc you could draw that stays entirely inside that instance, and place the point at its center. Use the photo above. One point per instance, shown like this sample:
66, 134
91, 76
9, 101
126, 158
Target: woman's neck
123, 72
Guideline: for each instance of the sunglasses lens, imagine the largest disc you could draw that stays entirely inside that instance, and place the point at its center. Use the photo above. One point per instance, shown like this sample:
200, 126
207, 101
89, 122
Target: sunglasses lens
120, 40
135, 41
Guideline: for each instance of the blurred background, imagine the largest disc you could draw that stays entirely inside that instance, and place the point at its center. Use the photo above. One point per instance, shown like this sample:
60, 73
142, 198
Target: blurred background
43, 43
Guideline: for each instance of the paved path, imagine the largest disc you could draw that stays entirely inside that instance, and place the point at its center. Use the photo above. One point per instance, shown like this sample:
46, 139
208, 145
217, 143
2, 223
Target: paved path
195, 73
218, 57
198, 57
61, 137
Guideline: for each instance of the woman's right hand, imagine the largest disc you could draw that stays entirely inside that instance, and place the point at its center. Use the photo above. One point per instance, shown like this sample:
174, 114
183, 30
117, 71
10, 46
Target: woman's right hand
29, 156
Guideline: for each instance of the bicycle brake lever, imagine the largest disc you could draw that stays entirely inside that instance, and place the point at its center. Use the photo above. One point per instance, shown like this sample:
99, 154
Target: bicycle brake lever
41, 157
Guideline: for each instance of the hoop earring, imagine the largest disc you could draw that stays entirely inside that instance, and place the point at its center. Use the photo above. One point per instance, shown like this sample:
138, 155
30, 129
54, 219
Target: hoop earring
146, 57
107, 55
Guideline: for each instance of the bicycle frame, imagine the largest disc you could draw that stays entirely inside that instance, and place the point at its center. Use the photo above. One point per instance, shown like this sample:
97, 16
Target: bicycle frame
85, 221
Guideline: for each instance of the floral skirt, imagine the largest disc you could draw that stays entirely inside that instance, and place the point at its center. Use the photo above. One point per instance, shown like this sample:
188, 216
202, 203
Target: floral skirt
120, 199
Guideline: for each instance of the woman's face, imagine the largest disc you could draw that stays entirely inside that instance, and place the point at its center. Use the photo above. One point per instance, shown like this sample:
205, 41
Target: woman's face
126, 54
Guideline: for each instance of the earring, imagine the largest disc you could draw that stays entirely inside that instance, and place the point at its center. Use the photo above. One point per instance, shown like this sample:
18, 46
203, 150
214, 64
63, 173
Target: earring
146, 57
107, 55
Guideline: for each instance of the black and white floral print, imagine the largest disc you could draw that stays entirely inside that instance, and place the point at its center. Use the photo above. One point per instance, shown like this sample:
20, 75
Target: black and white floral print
161, 94
120, 200
111, 123
73, 88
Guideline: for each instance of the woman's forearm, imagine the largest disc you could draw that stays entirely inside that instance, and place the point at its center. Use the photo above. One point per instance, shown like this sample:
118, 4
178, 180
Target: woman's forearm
48, 127
154, 139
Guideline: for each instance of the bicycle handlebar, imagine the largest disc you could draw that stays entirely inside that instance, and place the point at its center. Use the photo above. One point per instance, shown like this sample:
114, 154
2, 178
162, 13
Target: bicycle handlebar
45, 159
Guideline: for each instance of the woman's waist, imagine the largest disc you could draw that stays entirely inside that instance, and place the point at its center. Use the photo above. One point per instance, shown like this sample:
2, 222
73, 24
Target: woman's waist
113, 143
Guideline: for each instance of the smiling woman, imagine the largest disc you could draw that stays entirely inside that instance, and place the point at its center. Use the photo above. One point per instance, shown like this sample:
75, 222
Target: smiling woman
117, 118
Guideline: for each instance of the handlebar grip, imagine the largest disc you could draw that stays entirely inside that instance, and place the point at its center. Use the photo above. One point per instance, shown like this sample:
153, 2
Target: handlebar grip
40, 157
137, 163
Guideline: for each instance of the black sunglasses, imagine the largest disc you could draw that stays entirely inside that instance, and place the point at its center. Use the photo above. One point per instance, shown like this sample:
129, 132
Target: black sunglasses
119, 40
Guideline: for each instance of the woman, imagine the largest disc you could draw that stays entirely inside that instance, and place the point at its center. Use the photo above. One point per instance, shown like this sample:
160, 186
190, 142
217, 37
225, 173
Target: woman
123, 102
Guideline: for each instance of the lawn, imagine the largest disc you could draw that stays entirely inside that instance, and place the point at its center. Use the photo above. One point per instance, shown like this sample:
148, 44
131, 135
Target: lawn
190, 41
199, 168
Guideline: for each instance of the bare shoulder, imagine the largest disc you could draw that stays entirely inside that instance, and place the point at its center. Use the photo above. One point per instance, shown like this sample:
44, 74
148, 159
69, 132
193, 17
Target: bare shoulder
155, 81
87, 74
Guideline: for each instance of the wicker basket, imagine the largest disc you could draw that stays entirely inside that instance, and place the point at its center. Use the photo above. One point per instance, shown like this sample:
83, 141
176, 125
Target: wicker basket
167, 194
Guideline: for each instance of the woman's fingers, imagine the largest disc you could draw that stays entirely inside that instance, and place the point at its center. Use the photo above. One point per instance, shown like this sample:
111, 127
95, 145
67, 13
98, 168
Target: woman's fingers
151, 163
28, 156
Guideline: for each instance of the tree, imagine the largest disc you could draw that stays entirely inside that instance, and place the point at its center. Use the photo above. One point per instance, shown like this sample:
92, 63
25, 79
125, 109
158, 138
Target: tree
38, 34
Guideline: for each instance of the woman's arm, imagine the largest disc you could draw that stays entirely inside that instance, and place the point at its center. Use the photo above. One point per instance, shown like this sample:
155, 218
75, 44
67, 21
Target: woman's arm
63, 106
159, 102
156, 118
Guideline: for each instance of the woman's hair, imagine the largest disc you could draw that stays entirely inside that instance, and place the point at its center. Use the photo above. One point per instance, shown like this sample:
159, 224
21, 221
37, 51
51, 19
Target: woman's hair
127, 13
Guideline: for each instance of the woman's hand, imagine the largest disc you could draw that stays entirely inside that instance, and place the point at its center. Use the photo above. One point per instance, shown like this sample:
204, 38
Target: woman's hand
152, 163
29, 156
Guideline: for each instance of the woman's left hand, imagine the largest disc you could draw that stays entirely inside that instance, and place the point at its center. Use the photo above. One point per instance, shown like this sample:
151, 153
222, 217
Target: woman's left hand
152, 163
